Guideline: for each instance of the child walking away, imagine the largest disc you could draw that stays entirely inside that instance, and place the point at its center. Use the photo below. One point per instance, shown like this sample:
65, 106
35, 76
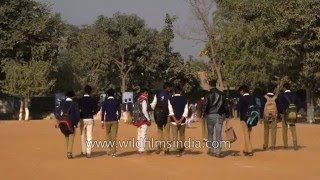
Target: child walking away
245, 102
68, 116
141, 119
111, 111
178, 112
215, 111
288, 107
191, 115
200, 105
161, 112
270, 113
88, 107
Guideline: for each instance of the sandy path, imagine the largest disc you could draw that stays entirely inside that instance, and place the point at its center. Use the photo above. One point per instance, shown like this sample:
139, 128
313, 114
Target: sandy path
35, 150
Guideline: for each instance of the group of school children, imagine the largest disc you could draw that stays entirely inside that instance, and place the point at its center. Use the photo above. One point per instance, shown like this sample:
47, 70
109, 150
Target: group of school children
170, 108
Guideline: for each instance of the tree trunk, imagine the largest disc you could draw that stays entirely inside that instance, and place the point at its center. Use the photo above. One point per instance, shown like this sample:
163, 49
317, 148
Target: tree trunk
26, 108
216, 68
280, 84
310, 106
21, 108
123, 82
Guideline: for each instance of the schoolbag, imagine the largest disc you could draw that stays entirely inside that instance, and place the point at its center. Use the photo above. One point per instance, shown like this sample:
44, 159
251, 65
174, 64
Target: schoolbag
253, 115
270, 108
137, 114
162, 100
65, 123
291, 112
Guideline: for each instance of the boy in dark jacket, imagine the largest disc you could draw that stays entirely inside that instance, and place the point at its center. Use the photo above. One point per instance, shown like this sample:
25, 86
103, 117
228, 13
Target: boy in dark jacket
178, 112
88, 107
215, 111
161, 112
70, 108
284, 100
111, 111
243, 107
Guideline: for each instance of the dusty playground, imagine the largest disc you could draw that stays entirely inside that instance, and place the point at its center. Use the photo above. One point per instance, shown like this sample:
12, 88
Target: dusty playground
36, 150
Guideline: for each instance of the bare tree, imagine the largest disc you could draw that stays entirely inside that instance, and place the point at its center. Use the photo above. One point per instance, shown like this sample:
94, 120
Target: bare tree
202, 31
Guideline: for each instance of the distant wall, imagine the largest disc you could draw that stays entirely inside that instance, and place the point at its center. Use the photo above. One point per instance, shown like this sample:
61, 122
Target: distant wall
9, 107
39, 107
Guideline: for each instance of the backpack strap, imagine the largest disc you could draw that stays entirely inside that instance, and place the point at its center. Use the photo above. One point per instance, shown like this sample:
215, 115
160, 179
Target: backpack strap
67, 113
270, 98
288, 99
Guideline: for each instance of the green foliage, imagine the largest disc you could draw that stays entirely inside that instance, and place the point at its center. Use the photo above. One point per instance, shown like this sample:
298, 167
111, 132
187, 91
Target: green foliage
30, 39
117, 47
27, 79
28, 31
263, 41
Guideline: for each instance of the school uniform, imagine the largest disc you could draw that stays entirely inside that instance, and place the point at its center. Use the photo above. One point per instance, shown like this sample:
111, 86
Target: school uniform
178, 107
161, 117
283, 106
70, 107
110, 114
142, 124
88, 107
269, 123
243, 107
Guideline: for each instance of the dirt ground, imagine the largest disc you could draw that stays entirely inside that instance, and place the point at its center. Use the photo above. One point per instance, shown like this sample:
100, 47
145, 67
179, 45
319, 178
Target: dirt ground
36, 150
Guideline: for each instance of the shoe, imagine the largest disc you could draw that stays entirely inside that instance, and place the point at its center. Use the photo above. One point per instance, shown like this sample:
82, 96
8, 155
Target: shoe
285, 147
69, 155
182, 151
249, 154
235, 154
219, 155
264, 148
179, 154
141, 152
158, 151
166, 152
211, 153
272, 148
88, 155
83, 154
108, 153
114, 155
205, 140
296, 148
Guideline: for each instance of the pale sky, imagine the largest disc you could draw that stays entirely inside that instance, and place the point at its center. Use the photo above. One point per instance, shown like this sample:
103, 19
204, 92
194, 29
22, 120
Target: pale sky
79, 12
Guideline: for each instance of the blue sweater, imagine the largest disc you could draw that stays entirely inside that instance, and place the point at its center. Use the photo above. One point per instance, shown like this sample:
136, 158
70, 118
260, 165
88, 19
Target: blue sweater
88, 107
283, 102
243, 106
111, 110
178, 104
74, 114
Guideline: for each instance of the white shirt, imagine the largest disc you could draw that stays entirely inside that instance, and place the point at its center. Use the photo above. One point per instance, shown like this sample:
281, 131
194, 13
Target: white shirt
86, 95
154, 102
246, 94
68, 99
145, 110
287, 91
110, 97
